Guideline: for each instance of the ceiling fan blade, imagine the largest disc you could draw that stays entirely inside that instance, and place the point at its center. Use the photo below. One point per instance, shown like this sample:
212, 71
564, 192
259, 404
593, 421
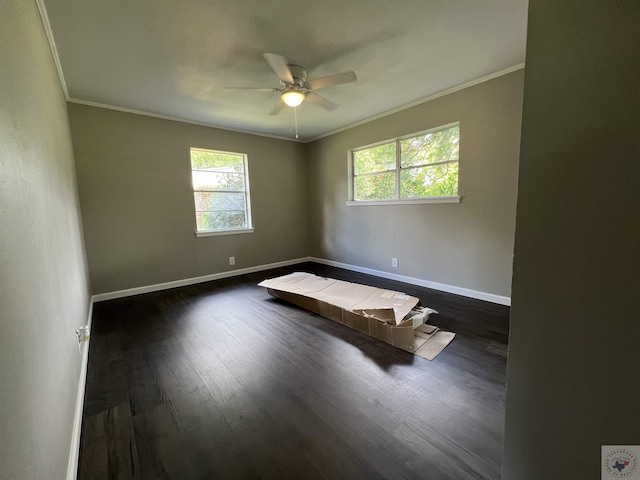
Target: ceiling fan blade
279, 65
277, 108
316, 99
329, 81
255, 89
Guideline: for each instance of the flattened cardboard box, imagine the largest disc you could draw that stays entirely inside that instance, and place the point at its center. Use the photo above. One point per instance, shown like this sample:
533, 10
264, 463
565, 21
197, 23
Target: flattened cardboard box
379, 313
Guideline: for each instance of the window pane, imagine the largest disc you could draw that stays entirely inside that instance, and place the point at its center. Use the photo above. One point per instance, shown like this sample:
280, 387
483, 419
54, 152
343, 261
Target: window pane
431, 181
216, 161
220, 183
219, 201
375, 159
379, 186
430, 148
220, 220
217, 181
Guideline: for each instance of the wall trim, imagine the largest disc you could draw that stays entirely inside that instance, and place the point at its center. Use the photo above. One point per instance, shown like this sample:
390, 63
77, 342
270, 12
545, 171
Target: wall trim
443, 93
407, 106
74, 453
180, 119
101, 297
465, 292
52, 45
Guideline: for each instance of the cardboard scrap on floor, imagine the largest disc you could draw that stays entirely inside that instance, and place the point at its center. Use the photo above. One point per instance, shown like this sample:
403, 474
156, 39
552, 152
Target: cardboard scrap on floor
393, 317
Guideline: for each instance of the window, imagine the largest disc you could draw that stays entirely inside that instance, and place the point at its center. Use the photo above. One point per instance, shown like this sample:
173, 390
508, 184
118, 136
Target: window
221, 192
413, 169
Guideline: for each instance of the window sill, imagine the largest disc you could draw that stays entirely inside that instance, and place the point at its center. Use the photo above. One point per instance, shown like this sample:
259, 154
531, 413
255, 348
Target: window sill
409, 201
224, 232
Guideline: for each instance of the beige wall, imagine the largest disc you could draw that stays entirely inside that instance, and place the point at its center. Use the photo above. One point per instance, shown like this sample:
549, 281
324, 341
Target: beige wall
134, 177
466, 245
574, 348
44, 292
134, 183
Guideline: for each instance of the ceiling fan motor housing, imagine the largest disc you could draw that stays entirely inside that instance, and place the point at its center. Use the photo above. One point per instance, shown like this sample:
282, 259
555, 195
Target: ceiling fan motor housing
299, 75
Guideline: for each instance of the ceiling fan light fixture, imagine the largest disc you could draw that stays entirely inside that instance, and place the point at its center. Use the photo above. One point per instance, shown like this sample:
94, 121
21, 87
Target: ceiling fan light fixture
293, 98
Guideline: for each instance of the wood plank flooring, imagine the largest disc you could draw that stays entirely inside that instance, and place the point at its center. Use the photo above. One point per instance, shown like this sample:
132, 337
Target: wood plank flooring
221, 381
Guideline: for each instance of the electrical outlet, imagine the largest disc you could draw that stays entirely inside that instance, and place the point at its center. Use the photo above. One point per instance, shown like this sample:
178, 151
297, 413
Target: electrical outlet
394, 262
232, 260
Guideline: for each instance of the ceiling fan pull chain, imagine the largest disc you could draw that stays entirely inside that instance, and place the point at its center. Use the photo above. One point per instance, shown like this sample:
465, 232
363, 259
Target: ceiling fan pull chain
295, 115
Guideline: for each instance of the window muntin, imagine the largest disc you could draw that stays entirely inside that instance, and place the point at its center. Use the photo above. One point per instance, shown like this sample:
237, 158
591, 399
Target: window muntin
221, 191
419, 166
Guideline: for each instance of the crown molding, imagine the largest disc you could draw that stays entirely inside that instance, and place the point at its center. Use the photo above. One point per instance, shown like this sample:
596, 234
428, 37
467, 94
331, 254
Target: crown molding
179, 119
442, 93
52, 45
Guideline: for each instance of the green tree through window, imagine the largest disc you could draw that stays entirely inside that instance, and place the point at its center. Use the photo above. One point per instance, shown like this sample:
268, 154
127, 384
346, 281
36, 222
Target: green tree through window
221, 190
420, 166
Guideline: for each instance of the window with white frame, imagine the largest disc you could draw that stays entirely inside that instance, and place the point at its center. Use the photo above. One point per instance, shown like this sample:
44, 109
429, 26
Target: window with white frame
221, 192
422, 166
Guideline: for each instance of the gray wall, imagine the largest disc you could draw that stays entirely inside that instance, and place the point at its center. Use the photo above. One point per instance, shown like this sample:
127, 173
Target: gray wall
44, 292
467, 245
575, 334
134, 178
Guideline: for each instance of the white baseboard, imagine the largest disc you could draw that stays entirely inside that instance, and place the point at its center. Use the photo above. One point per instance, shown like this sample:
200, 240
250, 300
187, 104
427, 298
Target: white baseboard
465, 292
72, 467
100, 297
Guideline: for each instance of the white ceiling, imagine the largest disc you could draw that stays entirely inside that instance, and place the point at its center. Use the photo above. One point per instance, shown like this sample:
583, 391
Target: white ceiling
175, 57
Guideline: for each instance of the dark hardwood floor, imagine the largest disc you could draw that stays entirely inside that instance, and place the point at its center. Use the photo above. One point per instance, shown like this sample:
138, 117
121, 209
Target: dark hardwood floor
221, 381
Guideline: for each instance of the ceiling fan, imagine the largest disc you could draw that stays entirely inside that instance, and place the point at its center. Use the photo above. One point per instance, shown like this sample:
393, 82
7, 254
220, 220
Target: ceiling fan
296, 88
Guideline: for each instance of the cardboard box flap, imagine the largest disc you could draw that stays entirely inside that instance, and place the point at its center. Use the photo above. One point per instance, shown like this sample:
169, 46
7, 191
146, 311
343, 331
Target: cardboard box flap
298, 282
303, 301
344, 303
433, 346
384, 315
291, 278
346, 290
344, 294
425, 329
315, 284
384, 299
